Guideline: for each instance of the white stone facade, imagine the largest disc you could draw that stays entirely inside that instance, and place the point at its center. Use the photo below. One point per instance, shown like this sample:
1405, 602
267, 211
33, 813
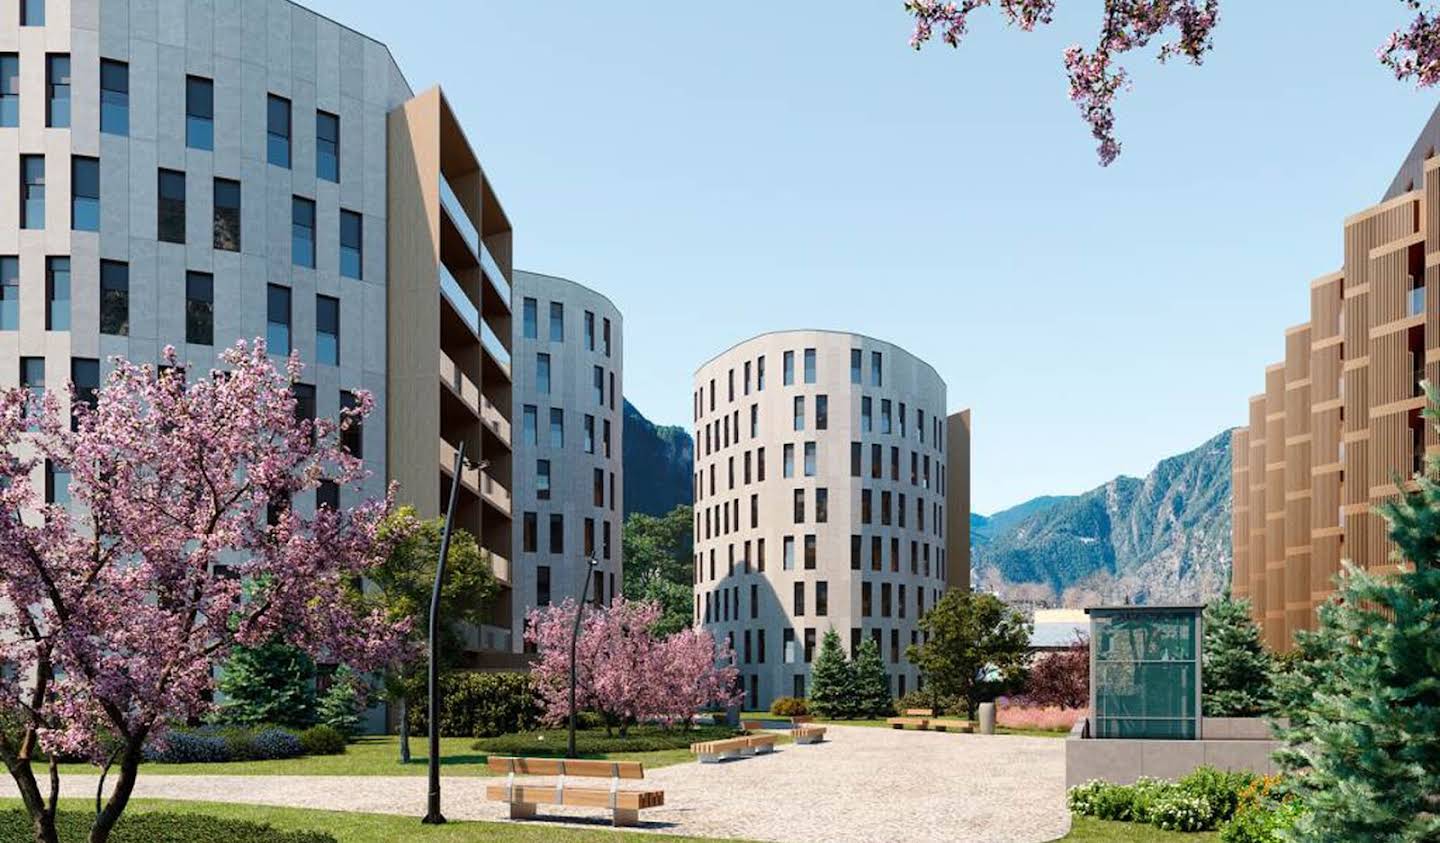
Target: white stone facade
874, 567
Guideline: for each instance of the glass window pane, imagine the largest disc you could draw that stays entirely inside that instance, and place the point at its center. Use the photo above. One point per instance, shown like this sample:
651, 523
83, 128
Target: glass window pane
277, 136
199, 113
327, 330
114, 97
351, 245
9, 90
57, 294
199, 308
9, 293
302, 232
227, 215
114, 298
277, 323
57, 83
32, 191
85, 194
327, 146
170, 209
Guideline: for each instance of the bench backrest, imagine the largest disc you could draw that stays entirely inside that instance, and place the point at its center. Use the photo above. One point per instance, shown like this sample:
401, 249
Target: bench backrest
919, 712
566, 767
751, 725
802, 718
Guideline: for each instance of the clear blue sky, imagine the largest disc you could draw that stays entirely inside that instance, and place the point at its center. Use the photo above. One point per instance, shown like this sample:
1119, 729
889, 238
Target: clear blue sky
724, 169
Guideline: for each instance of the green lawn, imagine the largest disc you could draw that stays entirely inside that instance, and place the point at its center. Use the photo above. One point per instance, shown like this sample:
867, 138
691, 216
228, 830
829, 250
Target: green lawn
381, 828
1091, 830
376, 756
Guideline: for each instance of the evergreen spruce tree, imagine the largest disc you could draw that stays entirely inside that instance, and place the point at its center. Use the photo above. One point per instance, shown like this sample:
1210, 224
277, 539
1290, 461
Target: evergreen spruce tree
1237, 667
832, 681
872, 686
1363, 747
340, 707
271, 683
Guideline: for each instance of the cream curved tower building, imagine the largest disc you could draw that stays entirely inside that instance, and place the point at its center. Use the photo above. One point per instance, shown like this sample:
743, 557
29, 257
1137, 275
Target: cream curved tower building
831, 490
569, 478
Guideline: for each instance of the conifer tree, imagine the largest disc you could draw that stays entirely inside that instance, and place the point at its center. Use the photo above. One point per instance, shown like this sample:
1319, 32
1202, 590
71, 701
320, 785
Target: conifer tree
1363, 747
872, 686
269, 683
832, 681
1237, 667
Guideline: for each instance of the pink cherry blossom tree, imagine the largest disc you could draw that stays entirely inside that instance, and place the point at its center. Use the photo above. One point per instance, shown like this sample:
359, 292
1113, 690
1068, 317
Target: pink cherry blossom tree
622, 670
179, 545
1095, 75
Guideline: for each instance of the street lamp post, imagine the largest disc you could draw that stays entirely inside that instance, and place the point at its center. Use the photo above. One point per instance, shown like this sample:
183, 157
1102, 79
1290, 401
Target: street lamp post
574, 637
432, 812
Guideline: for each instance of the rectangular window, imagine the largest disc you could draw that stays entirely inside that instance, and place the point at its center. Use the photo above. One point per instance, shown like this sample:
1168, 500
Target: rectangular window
327, 146
85, 194
885, 415
542, 374
32, 191
876, 379
877, 554
589, 331
598, 492
557, 533
589, 434
798, 604
557, 427
605, 438
809, 365
810, 459
57, 485
810, 551
352, 245
885, 600
170, 207
864, 506
822, 506
799, 412
9, 90
787, 561
352, 437
302, 232
530, 318
277, 319
799, 506
822, 598
788, 370
787, 466
530, 416
855, 551
542, 480
10, 293
114, 298
57, 90
599, 381
760, 373
866, 602
877, 456
114, 97
607, 337
227, 215
866, 421
530, 533
199, 113
85, 374
32, 377
557, 321
57, 294
327, 330
199, 308
855, 361
327, 494
32, 12
542, 584
822, 412
277, 131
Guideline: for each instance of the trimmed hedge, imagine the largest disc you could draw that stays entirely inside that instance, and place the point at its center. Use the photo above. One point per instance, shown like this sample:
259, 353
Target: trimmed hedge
482, 705
551, 742
211, 744
74, 827
789, 707
322, 740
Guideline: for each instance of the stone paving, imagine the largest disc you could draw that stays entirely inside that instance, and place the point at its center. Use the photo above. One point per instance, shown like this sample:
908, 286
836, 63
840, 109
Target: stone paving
861, 785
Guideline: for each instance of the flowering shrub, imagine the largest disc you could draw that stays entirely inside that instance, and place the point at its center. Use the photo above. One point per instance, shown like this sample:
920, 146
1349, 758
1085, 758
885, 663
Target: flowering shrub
184, 747
213, 744
1262, 822
1048, 718
1177, 810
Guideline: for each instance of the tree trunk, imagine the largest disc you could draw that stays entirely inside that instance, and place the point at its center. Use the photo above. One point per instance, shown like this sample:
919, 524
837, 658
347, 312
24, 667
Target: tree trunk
404, 704
120, 797
41, 810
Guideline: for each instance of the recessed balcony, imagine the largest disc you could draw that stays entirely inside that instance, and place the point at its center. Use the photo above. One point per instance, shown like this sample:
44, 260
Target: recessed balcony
459, 386
469, 477
455, 211
494, 494
495, 421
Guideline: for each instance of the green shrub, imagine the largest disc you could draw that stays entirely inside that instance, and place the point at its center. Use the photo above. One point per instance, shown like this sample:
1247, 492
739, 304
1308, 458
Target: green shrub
1081, 798
924, 699
1145, 793
552, 742
789, 707
322, 740
209, 744
341, 707
482, 705
1261, 822
160, 828
1179, 810
1220, 789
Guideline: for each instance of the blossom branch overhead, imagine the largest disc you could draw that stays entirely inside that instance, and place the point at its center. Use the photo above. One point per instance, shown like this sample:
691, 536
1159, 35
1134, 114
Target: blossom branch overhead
1096, 78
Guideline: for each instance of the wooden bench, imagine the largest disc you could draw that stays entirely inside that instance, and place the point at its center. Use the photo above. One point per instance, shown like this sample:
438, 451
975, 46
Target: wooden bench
625, 805
712, 752
917, 717
945, 725
808, 734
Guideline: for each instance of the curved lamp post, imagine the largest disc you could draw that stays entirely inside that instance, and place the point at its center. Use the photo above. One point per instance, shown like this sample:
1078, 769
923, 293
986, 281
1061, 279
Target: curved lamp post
591, 562
432, 811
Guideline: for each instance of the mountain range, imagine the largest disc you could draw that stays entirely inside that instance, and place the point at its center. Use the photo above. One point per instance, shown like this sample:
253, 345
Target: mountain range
1163, 538
659, 461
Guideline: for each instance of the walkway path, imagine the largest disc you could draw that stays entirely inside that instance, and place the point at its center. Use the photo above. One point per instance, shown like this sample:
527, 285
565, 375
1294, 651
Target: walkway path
863, 785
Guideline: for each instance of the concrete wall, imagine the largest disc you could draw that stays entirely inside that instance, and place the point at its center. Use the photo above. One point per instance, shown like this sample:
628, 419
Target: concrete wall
727, 537
1229, 744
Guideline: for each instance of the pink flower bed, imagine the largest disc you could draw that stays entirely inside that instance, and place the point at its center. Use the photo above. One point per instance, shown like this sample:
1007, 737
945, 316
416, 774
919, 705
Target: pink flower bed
1049, 718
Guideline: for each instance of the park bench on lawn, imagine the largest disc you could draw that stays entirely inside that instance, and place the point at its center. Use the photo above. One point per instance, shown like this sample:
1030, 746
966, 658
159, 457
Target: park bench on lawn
924, 718
624, 805
802, 732
711, 752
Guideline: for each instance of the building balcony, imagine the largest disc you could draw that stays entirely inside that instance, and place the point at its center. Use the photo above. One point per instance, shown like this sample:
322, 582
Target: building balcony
492, 272
494, 494
1416, 302
450, 204
494, 347
469, 314
495, 420
460, 385
469, 477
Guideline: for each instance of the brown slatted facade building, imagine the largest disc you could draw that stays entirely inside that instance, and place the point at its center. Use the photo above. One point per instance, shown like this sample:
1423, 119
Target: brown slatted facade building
1339, 420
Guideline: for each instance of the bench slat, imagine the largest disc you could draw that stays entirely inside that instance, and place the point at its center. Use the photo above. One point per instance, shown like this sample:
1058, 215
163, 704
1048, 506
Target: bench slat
584, 797
558, 766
